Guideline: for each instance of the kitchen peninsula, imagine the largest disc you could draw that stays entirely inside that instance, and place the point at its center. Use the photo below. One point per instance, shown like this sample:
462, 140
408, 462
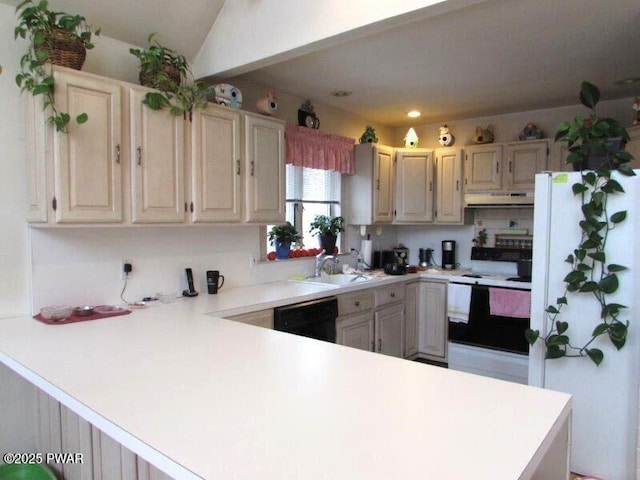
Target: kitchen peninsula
203, 397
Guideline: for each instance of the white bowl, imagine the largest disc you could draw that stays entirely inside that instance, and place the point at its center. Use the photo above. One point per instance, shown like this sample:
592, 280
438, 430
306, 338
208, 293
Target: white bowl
167, 297
56, 312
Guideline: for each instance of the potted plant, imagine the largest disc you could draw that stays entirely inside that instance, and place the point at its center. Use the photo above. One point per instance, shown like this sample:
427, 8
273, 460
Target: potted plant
282, 236
594, 142
55, 38
327, 228
168, 71
590, 271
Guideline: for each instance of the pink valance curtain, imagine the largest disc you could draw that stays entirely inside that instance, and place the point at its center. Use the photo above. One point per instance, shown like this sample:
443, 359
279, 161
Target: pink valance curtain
307, 147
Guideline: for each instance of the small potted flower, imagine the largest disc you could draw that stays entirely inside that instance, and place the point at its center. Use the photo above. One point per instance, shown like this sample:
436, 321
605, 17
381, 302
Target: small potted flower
327, 229
282, 236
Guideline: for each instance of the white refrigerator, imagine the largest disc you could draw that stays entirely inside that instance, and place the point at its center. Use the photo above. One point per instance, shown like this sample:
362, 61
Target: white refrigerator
604, 436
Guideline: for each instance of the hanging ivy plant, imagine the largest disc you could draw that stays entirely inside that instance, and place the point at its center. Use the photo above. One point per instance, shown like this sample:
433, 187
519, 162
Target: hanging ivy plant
591, 272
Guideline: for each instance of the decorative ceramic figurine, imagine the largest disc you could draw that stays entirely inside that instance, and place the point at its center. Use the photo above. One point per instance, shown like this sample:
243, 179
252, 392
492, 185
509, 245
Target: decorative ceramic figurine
530, 132
369, 135
636, 107
483, 136
228, 95
446, 138
268, 105
411, 139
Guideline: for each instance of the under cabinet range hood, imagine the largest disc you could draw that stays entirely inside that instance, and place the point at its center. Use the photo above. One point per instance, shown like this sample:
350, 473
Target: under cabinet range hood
500, 199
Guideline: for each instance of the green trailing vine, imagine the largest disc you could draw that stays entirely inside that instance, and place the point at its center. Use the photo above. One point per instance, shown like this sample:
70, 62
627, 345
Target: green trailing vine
591, 272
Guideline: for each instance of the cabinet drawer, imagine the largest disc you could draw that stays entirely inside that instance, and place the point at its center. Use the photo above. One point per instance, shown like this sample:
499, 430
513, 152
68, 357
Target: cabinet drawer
390, 294
355, 302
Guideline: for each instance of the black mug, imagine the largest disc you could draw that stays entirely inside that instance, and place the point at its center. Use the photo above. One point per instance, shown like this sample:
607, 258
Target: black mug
213, 281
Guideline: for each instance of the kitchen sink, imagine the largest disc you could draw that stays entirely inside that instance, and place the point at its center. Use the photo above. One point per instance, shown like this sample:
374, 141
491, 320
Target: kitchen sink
338, 279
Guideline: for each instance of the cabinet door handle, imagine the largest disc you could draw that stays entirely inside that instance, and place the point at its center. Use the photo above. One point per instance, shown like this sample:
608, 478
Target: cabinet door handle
457, 185
253, 167
378, 184
373, 346
379, 345
139, 154
497, 167
118, 153
509, 166
393, 294
357, 304
237, 167
430, 186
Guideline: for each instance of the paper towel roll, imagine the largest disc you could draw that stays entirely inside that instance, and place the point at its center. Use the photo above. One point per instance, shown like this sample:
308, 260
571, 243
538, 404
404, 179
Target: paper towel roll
366, 250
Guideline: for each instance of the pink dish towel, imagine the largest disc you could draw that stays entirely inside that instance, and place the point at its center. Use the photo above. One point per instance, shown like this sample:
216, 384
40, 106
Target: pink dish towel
510, 303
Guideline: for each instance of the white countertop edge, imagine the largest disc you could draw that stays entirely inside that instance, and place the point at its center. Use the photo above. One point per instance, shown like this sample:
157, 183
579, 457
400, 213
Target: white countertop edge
151, 455
547, 444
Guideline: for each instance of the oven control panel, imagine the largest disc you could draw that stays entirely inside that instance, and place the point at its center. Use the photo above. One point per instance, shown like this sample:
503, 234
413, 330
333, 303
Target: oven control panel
500, 254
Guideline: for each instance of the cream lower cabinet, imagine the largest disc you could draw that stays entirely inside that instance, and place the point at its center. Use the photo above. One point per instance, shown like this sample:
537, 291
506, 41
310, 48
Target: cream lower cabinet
265, 169
157, 145
411, 319
432, 320
373, 320
414, 186
64, 432
87, 161
216, 167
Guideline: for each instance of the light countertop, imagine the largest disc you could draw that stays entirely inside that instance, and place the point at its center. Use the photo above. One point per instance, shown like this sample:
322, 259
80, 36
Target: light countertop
203, 397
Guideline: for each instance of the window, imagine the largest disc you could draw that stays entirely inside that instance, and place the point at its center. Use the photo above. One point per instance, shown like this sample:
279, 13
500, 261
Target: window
310, 192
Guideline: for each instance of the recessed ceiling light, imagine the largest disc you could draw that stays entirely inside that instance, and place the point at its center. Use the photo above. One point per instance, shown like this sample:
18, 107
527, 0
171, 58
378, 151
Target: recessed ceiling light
413, 114
342, 93
628, 81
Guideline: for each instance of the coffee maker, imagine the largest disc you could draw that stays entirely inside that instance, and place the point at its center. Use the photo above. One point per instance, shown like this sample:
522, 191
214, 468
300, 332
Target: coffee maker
425, 257
448, 254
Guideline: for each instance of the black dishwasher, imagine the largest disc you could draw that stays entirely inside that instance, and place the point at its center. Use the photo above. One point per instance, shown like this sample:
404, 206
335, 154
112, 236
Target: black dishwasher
315, 319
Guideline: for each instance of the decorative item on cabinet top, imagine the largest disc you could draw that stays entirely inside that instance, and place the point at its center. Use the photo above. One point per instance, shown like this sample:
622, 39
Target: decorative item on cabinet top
307, 116
267, 105
225, 94
531, 132
483, 135
411, 139
636, 107
369, 135
446, 138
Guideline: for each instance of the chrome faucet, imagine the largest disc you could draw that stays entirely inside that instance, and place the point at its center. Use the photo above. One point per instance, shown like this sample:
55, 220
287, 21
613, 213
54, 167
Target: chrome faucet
321, 259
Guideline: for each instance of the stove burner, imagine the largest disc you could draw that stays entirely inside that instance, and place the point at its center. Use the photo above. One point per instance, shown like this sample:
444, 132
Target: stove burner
519, 279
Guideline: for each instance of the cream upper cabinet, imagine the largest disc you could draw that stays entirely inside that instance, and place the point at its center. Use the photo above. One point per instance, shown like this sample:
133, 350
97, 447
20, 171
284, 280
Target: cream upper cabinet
449, 207
414, 186
559, 152
371, 188
36, 159
157, 162
482, 166
432, 327
523, 160
216, 168
265, 169
88, 159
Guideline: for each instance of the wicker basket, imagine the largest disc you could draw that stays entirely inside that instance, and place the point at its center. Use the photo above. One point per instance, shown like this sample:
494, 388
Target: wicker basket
65, 49
149, 80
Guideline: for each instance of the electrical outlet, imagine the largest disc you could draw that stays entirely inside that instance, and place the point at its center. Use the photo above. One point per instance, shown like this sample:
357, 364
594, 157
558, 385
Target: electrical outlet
123, 275
253, 259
